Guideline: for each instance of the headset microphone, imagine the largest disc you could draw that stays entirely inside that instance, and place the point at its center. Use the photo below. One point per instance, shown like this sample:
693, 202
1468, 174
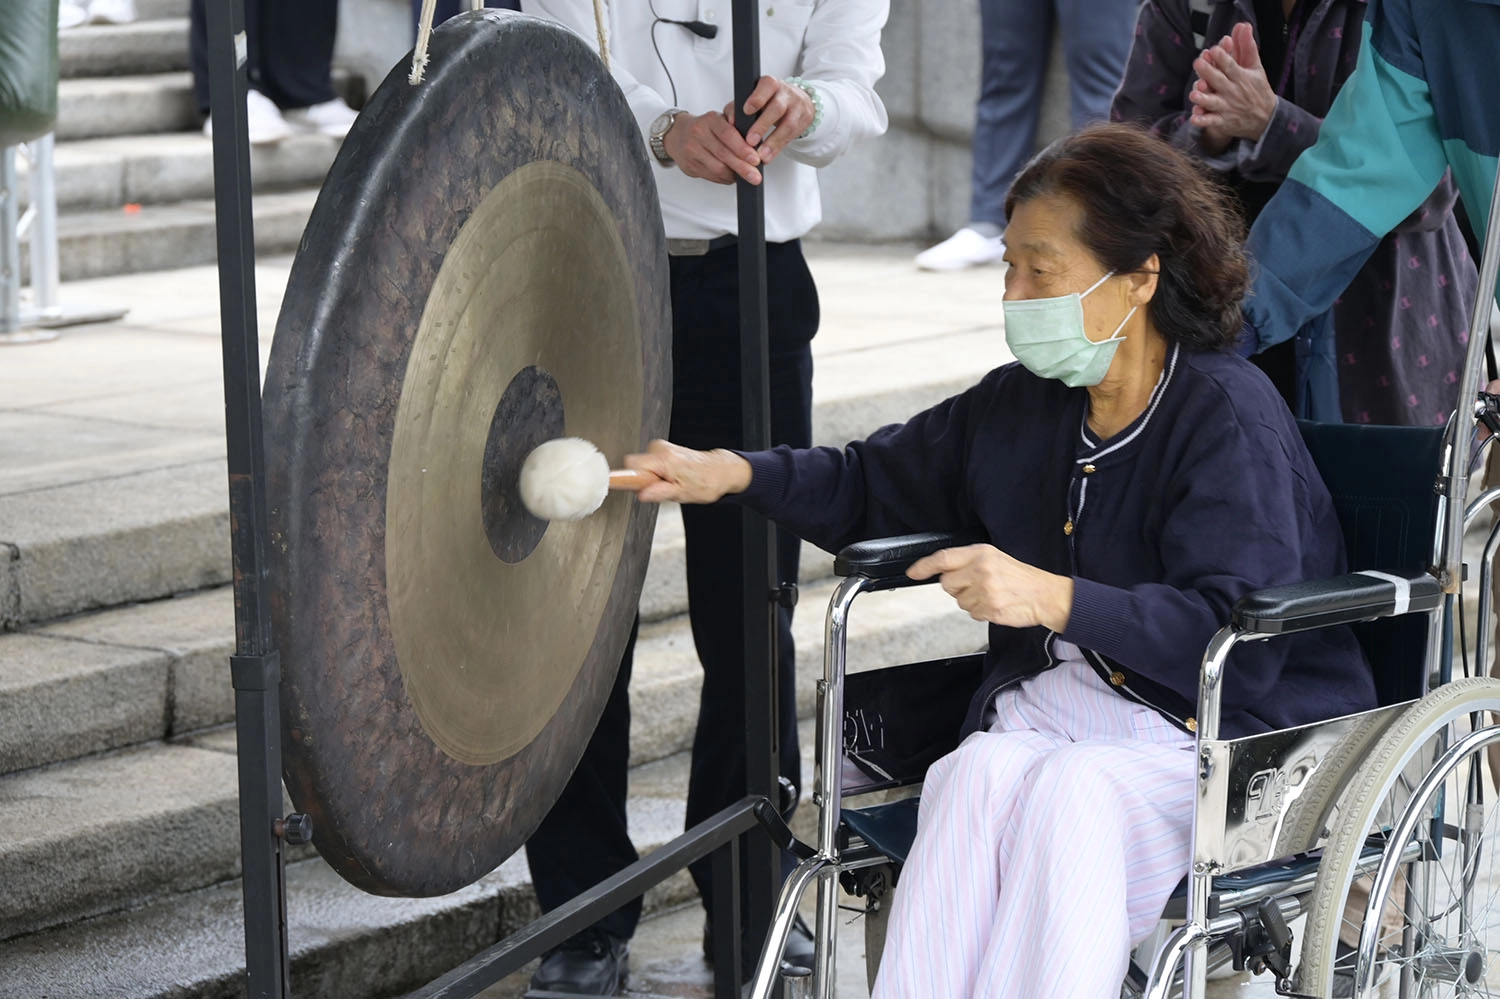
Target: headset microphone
698, 28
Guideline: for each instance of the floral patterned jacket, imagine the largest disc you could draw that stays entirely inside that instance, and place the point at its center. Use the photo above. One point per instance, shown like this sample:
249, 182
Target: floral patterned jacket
1391, 348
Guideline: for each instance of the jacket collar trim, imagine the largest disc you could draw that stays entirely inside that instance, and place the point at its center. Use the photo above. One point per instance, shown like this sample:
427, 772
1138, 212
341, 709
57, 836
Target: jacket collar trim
1090, 443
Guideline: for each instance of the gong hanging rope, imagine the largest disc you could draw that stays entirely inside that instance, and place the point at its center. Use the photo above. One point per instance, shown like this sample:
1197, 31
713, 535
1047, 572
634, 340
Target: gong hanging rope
424, 36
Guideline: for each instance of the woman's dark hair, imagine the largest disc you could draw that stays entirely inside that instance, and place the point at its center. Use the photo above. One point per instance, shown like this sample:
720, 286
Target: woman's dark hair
1141, 196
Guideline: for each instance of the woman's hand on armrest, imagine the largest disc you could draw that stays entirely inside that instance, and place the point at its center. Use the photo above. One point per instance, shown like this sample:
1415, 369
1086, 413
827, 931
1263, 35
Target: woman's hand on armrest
996, 588
689, 476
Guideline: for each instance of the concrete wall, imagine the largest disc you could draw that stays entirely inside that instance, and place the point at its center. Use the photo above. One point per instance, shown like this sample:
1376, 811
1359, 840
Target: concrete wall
911, 184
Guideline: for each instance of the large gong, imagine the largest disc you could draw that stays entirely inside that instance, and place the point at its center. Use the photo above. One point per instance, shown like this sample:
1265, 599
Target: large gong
484, 270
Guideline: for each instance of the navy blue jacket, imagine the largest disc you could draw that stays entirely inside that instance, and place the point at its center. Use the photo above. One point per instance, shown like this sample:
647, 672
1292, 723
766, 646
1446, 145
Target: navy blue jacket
1207, 496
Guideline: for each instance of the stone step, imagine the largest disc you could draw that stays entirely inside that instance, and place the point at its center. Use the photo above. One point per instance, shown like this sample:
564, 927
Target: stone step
151, 10
343, 942
172, 167
146, 104
89, 108
90, 835
154, 45
100, 242
110, 680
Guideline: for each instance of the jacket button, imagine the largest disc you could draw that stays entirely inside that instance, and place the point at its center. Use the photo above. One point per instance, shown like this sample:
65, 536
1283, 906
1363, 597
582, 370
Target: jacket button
1117, 678
1089, 469
1068, 527
1191, 724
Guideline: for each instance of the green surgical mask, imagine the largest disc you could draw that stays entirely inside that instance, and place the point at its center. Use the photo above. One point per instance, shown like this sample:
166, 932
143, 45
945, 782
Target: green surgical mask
1046, 335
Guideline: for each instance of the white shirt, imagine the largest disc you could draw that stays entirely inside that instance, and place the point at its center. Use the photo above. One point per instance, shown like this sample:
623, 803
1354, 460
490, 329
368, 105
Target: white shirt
832, 44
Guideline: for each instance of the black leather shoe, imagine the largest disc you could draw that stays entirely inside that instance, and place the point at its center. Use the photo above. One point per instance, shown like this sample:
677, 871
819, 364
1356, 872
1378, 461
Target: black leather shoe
593, 963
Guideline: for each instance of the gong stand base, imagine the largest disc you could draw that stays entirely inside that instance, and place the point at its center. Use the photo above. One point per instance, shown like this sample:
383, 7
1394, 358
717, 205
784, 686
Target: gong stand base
720, 835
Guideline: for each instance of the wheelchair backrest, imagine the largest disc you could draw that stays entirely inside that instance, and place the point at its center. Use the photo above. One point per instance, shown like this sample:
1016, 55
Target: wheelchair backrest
1381, 480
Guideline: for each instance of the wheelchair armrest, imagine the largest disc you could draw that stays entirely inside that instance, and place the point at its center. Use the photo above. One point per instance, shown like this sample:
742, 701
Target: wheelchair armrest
887, 559
1281, 610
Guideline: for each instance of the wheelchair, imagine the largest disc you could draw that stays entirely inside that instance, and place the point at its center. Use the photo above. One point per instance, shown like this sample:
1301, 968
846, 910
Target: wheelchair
1376, 830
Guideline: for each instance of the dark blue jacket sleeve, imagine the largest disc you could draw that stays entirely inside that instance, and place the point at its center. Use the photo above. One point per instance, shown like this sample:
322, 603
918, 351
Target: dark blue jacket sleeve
902, 479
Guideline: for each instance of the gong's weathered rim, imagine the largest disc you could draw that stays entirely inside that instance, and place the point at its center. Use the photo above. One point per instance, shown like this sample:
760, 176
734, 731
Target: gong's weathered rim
394, 811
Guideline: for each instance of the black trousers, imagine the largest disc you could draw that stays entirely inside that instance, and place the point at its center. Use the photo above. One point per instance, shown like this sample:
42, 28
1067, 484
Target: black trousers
584, 839
290, 57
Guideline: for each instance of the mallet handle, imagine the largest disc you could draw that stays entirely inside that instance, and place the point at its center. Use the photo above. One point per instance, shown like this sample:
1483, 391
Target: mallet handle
632, 479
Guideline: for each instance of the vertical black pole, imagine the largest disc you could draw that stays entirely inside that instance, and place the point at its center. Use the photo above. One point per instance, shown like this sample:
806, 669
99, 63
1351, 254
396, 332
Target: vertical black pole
728, 948
254, 667
761, 744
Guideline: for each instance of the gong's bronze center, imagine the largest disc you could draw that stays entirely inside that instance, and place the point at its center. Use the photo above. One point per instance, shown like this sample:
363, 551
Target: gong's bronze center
532, 314
530, 413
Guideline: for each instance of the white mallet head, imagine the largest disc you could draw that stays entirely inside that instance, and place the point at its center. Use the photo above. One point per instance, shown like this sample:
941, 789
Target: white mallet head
564, 479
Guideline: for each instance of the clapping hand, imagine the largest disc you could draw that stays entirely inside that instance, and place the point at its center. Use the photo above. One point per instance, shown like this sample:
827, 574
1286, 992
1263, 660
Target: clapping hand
1232, 98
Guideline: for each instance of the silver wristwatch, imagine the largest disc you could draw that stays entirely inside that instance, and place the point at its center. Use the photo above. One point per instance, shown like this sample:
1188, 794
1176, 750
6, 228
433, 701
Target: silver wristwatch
658, 137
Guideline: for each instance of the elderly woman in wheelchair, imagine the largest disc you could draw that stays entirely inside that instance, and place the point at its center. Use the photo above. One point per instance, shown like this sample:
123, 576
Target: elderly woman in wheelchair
1128, 480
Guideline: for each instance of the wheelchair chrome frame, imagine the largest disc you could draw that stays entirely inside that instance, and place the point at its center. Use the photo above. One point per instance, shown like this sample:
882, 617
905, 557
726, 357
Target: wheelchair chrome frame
824, 864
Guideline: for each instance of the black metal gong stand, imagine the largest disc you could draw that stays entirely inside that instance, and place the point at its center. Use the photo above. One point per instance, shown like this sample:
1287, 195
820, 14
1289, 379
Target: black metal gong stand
255, 669
255, 666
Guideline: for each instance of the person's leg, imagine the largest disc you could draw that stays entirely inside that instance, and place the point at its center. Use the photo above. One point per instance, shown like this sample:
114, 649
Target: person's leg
943, 915
1096, 38
198, 46
296, 51
585, 837
583, 840
706, 414
1099, 838
198, 53
1016, 37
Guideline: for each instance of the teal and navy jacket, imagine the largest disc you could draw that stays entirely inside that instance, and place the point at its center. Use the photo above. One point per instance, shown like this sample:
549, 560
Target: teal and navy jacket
1424, 97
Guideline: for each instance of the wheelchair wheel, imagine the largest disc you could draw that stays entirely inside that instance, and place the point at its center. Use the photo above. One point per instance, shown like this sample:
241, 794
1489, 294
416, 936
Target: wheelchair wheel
1439, 929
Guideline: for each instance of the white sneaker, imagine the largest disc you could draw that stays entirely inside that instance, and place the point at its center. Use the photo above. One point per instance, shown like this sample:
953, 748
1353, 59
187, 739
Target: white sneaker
111, 11
329, 118
71, 15
965, 248
263, 120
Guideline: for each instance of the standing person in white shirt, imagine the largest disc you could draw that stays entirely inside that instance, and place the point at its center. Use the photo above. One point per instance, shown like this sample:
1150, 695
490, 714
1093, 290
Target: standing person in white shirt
674, 61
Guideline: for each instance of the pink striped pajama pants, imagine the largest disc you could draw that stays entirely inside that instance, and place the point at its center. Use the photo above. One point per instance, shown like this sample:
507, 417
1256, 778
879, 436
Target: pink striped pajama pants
1046, 847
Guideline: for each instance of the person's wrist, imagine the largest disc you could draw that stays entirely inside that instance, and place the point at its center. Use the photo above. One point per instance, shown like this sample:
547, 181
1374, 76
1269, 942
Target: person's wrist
663, 146
817, 103
1061, 604
737, 471
1267, 115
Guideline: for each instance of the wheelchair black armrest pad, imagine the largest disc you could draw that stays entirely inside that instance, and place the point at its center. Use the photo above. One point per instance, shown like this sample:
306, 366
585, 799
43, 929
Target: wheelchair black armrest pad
889, 558
1322, 603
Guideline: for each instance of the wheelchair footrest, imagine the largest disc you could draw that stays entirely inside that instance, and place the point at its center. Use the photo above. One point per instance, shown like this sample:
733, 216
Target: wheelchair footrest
1279, 872
888, 828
